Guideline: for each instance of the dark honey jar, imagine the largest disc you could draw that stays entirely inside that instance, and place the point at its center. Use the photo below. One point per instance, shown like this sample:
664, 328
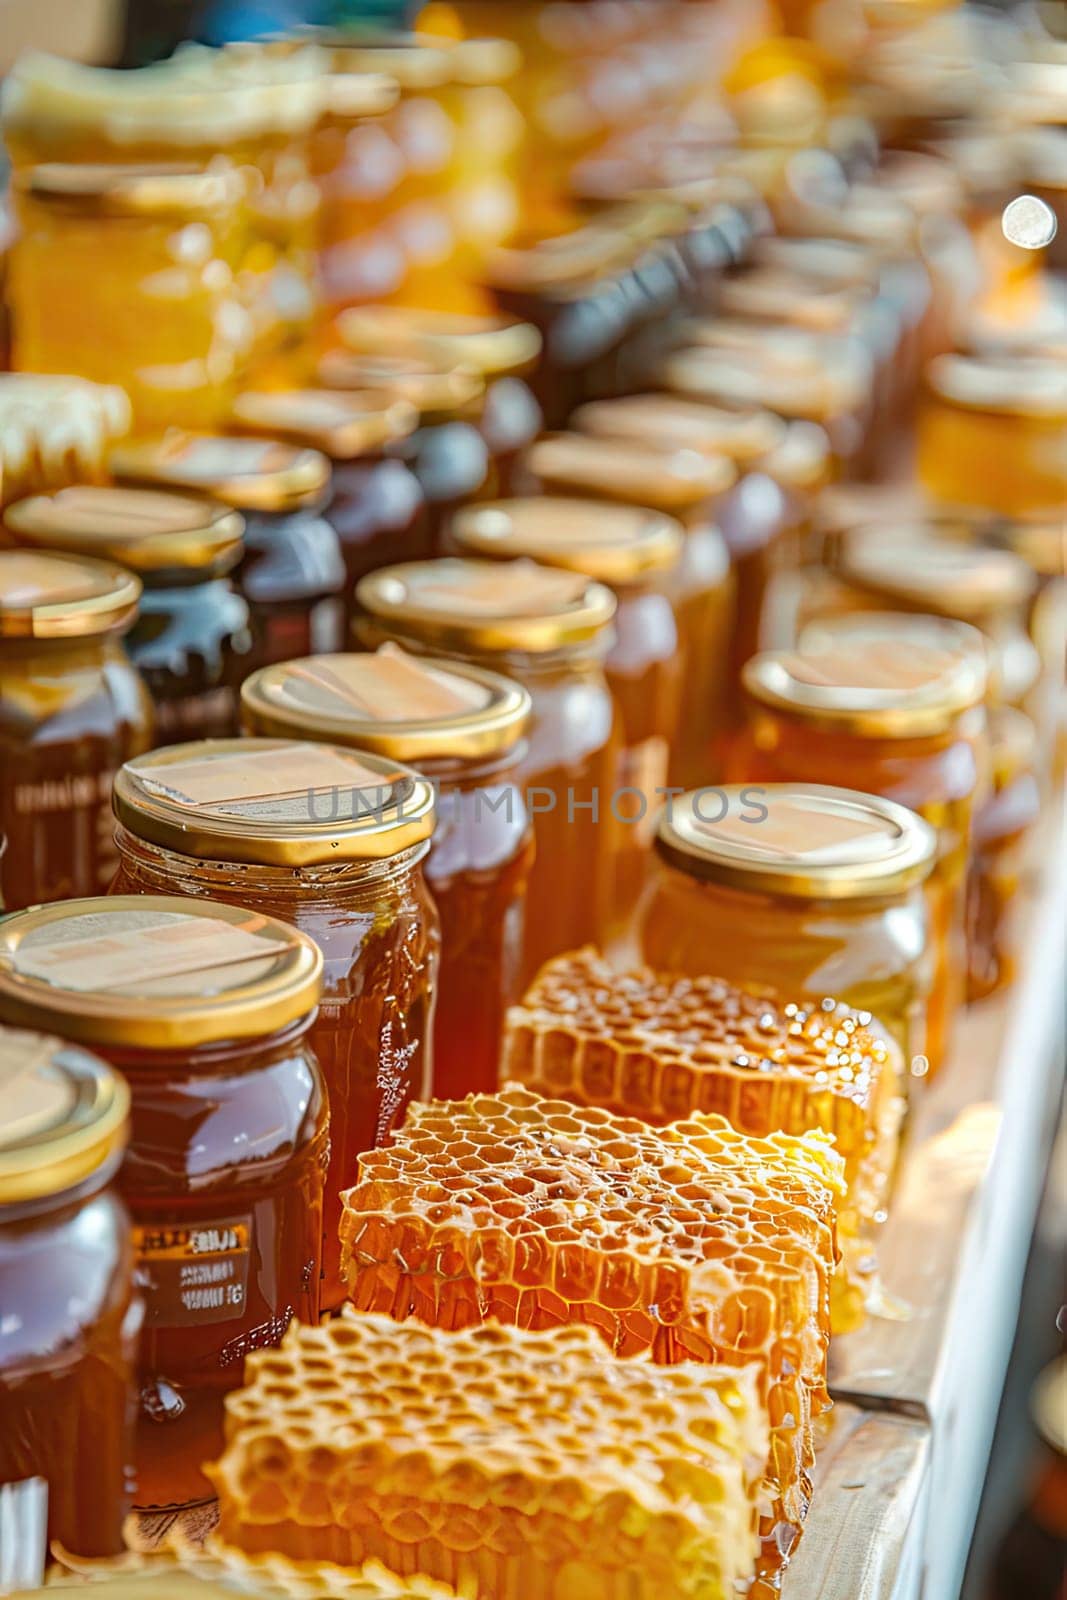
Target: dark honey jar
292, 573
464, 729
70, 1319
205, 1010
191, 636
72, 709
331, 842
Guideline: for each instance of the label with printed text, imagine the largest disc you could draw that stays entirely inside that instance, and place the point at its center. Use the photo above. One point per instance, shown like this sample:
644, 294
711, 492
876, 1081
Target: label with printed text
194, 1274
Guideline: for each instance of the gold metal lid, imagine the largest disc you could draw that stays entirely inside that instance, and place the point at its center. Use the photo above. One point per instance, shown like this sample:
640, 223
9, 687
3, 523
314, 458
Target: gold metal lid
487, 606
119, 189
815, 842
274, 802
49, 596
414, 60
669, 422
1008, 385
776, 294
154, 971
401, 706
870, 681
149, 530
1048, 1404
673, 480
486, 345
343, 425
433, 390
789, 370
959, 580
616, 544
838, 263
251, 474
561, 260
900, 630
65, 1114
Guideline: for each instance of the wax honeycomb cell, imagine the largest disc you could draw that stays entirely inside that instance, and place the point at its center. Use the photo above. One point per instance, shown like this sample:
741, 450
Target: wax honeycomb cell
522, 1465
691, 1242
661, 1046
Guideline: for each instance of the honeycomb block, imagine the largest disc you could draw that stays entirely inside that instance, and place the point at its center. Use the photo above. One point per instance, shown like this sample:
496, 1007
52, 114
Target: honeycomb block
691, 1242
524, 1466
660, 1047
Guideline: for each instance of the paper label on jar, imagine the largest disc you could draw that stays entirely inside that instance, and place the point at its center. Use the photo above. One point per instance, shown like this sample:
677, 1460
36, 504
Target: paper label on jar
226, 781
23, 1534
193, 1274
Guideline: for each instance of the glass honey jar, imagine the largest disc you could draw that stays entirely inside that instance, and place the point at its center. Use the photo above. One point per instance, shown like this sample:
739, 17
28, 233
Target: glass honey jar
496, 349
991, 432
191, 634
636, 553
799, 889
71, 1317
550, 631
464, 730
332, 844
898, 712
1002, 826
292, 574
376, 505
147, 254
204, 1009
72, 710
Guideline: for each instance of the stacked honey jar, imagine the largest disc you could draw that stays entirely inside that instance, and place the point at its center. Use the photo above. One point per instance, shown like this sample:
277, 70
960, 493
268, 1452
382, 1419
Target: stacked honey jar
531, 657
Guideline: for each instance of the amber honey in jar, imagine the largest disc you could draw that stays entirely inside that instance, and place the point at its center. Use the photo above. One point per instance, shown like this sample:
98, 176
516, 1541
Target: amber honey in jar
72, 710
991, 432
1002, 826
191, 636
332, 843
376, 505
801, 889
446, 452
550, 631
204, 1009
496, 349
124, 275
463, 728
896, 710
69, 1330
292, 573
636, 552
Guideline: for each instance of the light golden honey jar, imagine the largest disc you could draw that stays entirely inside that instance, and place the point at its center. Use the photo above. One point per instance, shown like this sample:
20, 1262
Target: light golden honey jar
551, 631
204, 1009
1002, 826
72, 710
463, 728
71, 1313
799, 889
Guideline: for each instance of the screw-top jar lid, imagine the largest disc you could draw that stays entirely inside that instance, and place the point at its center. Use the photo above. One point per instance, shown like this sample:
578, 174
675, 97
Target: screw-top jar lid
275, 802
674, 480
462, 605
437, 392
149, 530
1015, 385
341, 425
811, 841
796, 373
49, 596
154, 970
486, 345
669, 422
616, 544
251, 474
780, 295
835, 262
65, 1115
404, 707
560, 261
967, 581
120, 189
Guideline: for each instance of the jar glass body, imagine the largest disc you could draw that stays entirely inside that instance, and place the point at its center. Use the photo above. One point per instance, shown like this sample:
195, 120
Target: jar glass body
190, 644
510, 422
377, 928
479, 864
1001, 828
68, 1339
451, 462
872, 953
71, 712
292, 577
704, 588
378, 512
146, 302
941, 776
756, 517
223, 1177
1003, 461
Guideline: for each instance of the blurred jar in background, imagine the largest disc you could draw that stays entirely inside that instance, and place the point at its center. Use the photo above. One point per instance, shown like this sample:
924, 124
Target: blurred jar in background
1001, 827
1033, 1555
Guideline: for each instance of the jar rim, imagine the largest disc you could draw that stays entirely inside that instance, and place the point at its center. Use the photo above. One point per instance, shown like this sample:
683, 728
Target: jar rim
342, 424
599, 539
66, 1115
490, 346
148, 530
673, 479
251, 474
53, 595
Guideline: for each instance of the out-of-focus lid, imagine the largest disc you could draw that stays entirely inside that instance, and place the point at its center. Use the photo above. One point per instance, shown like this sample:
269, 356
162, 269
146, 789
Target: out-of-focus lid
148, 530
437, 392
675, 480
251, 474
49, 596
133, 190
340, 424
486, 345
967, 581
1014, 385
615, 544
670, 423
65, 1115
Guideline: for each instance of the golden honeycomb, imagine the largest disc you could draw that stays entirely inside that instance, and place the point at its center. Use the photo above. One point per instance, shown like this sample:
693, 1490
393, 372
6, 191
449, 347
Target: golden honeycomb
519, 1465
661, 1046
691, 1242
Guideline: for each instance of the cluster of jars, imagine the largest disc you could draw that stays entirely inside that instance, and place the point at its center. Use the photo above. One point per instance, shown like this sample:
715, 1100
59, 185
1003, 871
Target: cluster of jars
322, 731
